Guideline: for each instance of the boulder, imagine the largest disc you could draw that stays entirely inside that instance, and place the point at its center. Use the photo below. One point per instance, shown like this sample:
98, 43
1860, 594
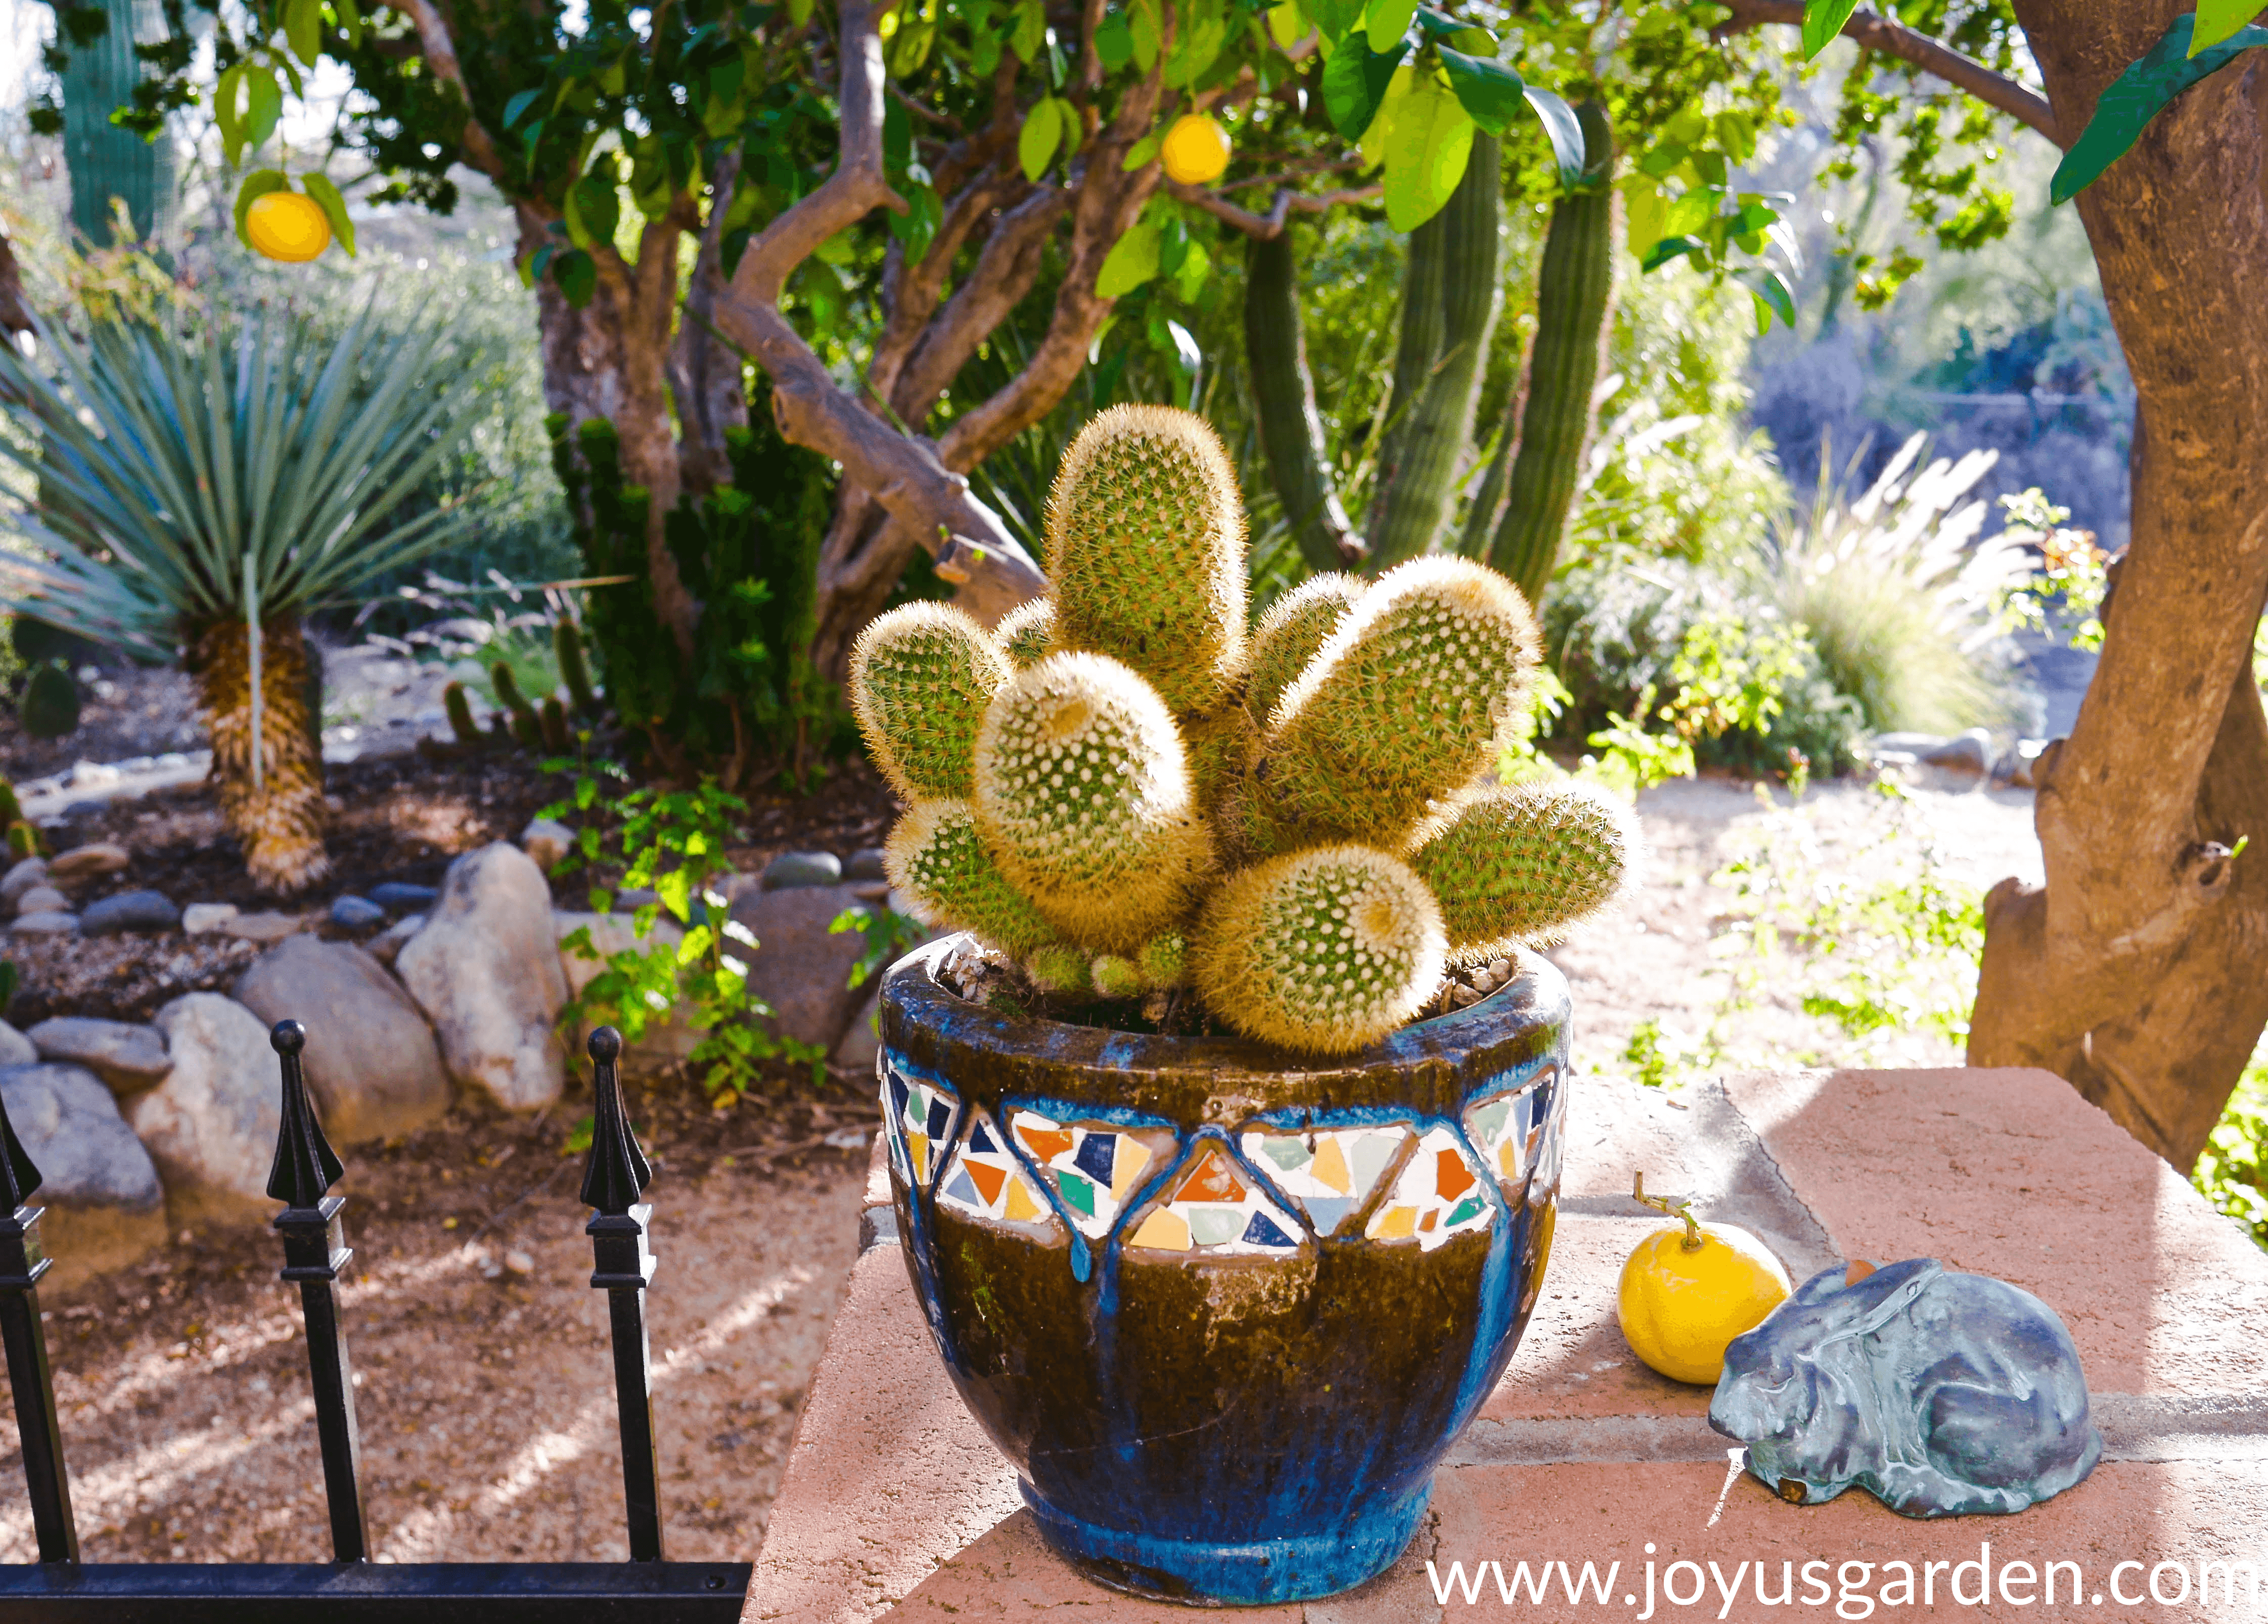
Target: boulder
798, 967
866, 864
397, 896
1964, 763
486, 971
662, 1044
201, 916
22, 877
357, 913
84, 862
127, 1057
138, 912
794, 870
210, 1126
45, 925
369, 1058
15, 1048
42, 898
547, 840
384, 946
106, 1208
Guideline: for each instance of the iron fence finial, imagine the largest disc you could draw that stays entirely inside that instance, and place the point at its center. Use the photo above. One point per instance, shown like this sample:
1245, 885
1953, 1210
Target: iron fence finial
617, 1173
306, 1165
20, 1175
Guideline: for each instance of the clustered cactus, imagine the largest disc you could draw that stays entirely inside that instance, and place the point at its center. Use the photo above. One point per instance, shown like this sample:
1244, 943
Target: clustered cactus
1129, 789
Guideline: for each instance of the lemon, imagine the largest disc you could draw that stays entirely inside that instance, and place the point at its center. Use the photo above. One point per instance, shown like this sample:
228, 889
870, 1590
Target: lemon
287, 226
1196, 150
1689, 1289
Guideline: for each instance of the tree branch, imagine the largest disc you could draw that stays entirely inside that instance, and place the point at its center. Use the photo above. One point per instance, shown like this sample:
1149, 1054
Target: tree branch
1004, 273
440, 52
1270, 224
1875, 33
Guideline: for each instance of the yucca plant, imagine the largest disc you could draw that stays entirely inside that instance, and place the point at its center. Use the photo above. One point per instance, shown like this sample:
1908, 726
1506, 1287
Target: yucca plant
200, 491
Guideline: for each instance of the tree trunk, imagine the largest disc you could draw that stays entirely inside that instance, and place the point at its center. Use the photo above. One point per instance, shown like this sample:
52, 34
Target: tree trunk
1574, 295
1283, 400
279, 820
2136, 971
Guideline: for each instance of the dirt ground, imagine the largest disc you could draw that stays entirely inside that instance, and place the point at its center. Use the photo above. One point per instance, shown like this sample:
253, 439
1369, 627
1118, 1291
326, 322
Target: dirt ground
483, 1386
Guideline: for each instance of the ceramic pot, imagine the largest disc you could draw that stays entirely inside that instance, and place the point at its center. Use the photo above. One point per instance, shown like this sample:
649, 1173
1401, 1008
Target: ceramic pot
1225, 1308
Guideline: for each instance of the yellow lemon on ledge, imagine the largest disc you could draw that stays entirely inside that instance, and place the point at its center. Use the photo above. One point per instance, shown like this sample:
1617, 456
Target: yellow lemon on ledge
1196, 150
1689, 1289
291, 226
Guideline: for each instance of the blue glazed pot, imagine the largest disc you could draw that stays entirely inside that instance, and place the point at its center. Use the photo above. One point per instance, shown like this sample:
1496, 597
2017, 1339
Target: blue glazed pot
1224, 1309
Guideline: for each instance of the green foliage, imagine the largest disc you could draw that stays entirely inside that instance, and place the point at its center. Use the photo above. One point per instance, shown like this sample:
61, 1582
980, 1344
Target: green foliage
2074, 577
2139, 94
2232, 1173
889, 934
673, 843
48, 708
206, 462
748, 704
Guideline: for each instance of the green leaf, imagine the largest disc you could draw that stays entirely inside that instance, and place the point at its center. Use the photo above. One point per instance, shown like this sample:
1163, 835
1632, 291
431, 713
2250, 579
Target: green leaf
303, 29
1823, 20
1287, 24
228, 114
259, 183
1381, 122
1491, 91
1142, 151
1669, 248
2139, 95
1036, 142
1143, 21
519, 105
1133, 261
1030, 37
1354, 83
2218, 20
1427, 148
1773, 299
1387, 21
267, 106
597, 199
1646, 217
576, 274
319, 187
1067, 121
1334, 17
674, 890
1190, 276
1564, 131
349, 15
1114, 41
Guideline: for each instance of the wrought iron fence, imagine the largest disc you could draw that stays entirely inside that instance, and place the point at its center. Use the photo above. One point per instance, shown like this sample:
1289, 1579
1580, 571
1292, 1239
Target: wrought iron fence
646, 1590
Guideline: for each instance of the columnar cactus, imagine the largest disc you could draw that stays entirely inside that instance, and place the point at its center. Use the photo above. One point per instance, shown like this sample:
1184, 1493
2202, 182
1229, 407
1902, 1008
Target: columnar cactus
1129, 792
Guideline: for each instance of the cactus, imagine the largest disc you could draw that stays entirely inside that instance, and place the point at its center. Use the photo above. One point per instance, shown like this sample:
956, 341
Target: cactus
920, 679
459, 705
574, 669
1293, 822
524, 726
24, 840
552, 718
1026, 632
1522, 864
1145, 547
1284, 406
1083, 786
49, 707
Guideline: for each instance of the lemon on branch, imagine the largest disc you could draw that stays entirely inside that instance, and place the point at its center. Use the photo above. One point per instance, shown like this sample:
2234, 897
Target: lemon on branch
285, 225
1691, 1289
1196, 150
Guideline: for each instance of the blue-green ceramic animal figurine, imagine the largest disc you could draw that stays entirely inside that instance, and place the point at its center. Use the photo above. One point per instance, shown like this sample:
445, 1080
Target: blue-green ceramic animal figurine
1940, 1394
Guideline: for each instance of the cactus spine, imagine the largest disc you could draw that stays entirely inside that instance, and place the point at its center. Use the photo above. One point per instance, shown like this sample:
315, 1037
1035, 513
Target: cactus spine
1522, 864
1026, 632
1293, 823
1145, 547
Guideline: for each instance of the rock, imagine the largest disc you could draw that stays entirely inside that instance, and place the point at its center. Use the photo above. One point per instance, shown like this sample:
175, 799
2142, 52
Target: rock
519, 1262
486, 971
370, 1057
127, 1057
84, 862
384, 946
21, 878
857, 1052
129, 911
795, 870
45, 925
2023, 767
263, 927
42, 898
398, 897
866, 864
106, 1208
798, 967
15, 1048
199, 917
631, 901
1964, 763
77, 810
663, 1043
210, 1126
357, 913
547, 840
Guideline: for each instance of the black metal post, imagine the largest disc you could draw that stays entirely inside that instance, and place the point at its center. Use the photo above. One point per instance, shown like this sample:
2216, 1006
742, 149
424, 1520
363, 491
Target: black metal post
21, 1263
314, 1253
617, 1175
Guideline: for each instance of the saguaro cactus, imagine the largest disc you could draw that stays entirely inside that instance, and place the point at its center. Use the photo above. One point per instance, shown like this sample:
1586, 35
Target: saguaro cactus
1133, 794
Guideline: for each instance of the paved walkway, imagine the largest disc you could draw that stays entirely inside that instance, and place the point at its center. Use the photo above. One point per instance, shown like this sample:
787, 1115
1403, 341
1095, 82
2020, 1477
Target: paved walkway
895, 1507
